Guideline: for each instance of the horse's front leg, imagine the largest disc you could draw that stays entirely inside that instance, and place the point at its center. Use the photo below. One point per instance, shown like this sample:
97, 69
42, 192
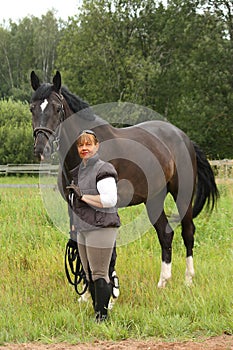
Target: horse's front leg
165, 234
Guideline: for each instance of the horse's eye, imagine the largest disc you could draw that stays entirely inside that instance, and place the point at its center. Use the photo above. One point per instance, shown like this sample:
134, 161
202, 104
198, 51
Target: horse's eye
32, 107
57, 108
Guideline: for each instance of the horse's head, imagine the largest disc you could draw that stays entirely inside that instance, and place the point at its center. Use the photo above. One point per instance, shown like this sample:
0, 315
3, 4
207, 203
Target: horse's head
47, 108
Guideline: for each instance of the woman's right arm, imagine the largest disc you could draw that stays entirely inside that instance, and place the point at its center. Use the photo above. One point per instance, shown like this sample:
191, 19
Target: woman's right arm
107, 189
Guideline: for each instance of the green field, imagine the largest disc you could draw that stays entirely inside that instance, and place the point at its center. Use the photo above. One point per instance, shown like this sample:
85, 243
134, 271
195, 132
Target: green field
38, 304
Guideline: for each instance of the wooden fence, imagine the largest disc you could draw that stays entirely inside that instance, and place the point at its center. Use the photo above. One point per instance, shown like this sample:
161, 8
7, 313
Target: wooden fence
223, 169
28, 169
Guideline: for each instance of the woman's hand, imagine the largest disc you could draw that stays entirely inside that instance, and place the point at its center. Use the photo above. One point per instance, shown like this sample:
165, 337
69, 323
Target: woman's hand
74, 188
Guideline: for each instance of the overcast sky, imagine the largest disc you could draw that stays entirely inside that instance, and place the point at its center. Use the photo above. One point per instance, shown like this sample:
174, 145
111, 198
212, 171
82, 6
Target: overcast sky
18, 9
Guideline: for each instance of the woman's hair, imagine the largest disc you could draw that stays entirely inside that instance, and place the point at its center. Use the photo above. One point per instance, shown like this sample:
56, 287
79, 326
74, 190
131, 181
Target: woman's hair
87, 135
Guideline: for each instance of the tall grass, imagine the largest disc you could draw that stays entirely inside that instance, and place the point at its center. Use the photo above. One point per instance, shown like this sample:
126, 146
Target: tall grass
38, 304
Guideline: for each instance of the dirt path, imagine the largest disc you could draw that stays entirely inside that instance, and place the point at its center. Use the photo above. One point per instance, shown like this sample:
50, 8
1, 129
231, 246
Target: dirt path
224, 342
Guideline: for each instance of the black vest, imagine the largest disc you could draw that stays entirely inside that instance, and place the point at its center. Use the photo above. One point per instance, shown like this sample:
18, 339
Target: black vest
87, 217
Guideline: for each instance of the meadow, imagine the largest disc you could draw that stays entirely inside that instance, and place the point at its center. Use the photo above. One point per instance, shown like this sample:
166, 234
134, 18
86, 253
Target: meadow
38, 304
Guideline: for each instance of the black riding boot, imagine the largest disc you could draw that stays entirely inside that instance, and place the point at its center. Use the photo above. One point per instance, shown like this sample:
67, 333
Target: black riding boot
91, 288
102, 296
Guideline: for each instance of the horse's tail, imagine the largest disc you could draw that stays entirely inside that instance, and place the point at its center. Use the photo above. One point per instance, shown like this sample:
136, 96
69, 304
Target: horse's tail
206, 191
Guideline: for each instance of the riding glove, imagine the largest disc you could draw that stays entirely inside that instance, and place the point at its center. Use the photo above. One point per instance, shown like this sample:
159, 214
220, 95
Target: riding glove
74, 188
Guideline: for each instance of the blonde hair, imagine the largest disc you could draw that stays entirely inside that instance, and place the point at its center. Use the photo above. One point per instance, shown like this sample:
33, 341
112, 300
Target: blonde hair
87, 136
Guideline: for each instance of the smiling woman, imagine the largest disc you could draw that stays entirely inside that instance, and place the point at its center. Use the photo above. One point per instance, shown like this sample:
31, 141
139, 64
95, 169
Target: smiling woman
93, 194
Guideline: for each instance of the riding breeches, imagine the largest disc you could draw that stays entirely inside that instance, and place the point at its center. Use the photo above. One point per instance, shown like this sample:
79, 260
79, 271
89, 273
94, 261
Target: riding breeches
95, 250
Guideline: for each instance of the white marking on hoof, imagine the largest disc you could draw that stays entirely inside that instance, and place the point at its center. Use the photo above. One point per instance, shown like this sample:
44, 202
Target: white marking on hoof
115, 290
189, 272
43, 105
84, 297
111, 303
165, 274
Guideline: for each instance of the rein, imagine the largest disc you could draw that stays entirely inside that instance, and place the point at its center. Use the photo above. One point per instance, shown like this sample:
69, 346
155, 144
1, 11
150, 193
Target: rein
73, 267
72, 261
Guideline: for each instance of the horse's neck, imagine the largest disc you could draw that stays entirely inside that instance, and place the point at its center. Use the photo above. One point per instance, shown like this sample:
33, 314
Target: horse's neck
74, 123
72, 159
106, 132
67, 110
69, 157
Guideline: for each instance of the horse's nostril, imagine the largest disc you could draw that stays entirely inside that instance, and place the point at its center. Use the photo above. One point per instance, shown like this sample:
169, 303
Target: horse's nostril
47, 151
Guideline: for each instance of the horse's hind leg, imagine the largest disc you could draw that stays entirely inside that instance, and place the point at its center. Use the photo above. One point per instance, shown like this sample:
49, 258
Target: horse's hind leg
165, 235
188, 230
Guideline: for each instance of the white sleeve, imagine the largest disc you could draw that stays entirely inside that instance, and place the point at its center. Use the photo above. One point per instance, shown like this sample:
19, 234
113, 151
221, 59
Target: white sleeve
108, 192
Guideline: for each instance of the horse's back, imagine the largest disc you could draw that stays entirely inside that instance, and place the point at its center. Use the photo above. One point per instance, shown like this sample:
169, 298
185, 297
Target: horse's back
178, 144
146, 157
166, 132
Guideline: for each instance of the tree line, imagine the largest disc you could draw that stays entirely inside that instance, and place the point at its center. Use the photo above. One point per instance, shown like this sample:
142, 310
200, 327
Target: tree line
175, 59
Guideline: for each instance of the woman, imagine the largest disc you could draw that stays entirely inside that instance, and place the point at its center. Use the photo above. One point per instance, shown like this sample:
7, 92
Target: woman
95, 218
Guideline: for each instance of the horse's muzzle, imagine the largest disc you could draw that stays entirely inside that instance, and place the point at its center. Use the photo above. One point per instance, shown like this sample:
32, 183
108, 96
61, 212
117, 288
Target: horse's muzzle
42, 148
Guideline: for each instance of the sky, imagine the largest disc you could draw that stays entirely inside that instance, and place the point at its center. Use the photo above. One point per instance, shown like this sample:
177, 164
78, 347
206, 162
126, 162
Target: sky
18, 9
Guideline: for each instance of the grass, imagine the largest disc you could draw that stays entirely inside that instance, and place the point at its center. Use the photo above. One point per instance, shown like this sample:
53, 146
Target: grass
38, 304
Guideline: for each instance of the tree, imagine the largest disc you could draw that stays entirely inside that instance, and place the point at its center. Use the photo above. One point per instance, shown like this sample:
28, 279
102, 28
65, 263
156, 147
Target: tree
205, 89
6, 71
176, 60
172, 59
28, 45
91, 54
46, 38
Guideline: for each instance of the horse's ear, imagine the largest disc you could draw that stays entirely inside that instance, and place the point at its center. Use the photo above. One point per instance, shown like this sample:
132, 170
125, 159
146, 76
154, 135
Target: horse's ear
57, 81
35, 82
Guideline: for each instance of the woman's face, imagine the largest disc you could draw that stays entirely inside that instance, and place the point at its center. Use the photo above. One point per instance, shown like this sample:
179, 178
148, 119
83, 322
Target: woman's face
87, 146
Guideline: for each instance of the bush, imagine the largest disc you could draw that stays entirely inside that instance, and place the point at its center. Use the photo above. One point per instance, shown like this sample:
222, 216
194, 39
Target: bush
16, 140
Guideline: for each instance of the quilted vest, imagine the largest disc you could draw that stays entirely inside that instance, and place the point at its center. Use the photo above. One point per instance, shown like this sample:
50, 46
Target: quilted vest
87, 217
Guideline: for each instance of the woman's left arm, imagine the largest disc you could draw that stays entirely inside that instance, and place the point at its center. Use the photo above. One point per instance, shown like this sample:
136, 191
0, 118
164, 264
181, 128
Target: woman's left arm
107, 197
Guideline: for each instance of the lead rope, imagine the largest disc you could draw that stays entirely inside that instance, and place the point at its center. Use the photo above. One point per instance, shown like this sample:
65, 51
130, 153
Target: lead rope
74, 266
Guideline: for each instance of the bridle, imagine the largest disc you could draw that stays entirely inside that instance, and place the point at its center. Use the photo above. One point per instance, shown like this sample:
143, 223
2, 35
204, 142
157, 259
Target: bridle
52, 136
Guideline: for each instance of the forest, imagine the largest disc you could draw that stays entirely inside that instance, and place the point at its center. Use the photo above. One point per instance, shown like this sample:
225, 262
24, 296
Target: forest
176, 60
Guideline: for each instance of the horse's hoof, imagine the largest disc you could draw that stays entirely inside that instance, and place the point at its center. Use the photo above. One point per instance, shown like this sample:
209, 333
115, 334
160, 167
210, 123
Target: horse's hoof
165, 274
84, 298
162, 284
189, 273
189, 280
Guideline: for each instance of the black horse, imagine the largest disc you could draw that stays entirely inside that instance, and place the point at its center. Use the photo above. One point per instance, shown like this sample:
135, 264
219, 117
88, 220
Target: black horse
152, 159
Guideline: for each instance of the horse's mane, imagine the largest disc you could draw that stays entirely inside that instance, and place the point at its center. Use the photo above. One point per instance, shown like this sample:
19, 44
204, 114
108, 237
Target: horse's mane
75, 103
